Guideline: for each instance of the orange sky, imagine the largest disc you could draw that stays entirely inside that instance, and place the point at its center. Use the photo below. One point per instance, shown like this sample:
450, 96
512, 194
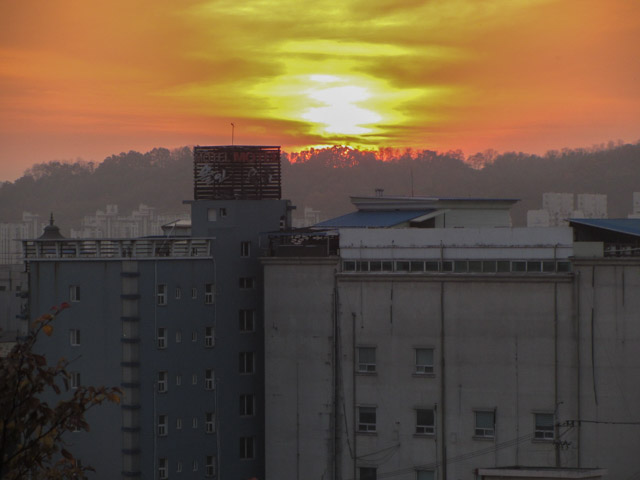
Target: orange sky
89, 79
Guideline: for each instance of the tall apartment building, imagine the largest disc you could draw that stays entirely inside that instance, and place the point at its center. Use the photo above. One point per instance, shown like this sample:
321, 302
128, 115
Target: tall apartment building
176, 322
424, 339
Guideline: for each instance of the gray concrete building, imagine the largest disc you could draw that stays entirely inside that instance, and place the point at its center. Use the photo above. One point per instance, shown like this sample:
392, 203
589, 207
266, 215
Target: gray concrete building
424, 339
175, 321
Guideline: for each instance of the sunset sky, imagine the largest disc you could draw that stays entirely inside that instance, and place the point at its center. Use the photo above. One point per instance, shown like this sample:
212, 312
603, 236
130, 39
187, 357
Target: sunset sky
90, 79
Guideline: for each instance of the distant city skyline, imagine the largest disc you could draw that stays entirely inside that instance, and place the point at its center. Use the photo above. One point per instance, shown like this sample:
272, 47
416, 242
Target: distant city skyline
78, 81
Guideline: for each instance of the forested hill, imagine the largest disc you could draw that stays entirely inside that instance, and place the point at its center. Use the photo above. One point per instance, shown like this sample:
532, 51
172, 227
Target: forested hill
324, 179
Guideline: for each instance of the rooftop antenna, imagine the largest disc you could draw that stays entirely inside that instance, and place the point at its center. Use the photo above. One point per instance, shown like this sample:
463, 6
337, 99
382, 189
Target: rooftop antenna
233, 127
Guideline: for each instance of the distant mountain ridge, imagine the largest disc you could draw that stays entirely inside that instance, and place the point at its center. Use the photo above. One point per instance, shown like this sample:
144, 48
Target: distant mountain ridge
325, 178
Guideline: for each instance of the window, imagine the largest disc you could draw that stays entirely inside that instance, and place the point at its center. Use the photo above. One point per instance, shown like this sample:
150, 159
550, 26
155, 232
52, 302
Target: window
162, 337
210, 422
247, 405
208, 293
194, 336
194, 379
195, 465
74, 379
368, 473
178, 336
212, 214
223, 212
425, 422
178, 293
246, 362
178, 424
162, 425
246, 447
485, 424
179, 467
194, 293
162, 294
208, 379
163, 468
366, 419
208, 337
366, 359
245, 249
424, 361
247, 320
194, 422
74, 337
210, 466
425, 475
247, 282
178, 380
162, 382
74, 293
544, 426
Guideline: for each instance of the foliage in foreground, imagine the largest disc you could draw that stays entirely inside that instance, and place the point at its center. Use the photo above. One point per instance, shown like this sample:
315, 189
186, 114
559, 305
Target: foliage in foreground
31, 431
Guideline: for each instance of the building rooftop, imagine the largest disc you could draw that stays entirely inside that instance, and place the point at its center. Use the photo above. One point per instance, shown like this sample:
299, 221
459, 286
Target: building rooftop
627, 226
374, 219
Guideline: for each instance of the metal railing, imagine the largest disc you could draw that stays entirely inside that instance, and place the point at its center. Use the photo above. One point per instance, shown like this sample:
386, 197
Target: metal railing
136, 248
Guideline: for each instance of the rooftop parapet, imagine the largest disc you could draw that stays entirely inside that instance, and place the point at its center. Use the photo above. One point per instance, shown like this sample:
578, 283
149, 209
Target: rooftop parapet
117, 249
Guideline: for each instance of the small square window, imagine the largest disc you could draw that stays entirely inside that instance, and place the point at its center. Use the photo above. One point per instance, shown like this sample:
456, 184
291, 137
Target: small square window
162, 382
367, 419
194, 379
425, 422
208, 293
74, 337
210, 422
246, 319
74, 380
425, 475
178, 336
74, 293
178, 293
195, 465
368, 473
208, 337
209, 379
223, 212
246, 362
162, 425
247, 405
247, 283
162, 294
179, 467
544, 426
163, 468
194, 422
485, 424
162, 338
194, 293
210, 466
245, 249
178, 424
212, 214
178, 380
247, 447
424, 361
366, 359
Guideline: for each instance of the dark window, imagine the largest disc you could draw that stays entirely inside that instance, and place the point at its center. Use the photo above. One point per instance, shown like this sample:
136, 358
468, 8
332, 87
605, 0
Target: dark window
366, 419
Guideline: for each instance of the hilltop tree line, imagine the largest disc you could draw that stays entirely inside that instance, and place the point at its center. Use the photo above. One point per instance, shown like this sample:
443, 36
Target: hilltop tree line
325, 178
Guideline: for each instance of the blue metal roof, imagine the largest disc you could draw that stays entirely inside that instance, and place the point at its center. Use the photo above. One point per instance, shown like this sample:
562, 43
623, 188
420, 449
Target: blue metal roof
629, 226
379, 219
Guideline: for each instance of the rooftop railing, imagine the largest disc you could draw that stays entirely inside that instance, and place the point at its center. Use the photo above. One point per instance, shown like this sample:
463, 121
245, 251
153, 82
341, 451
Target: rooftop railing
136, 248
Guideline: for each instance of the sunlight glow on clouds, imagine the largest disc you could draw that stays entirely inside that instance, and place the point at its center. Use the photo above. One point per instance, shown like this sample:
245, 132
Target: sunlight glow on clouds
526, 75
